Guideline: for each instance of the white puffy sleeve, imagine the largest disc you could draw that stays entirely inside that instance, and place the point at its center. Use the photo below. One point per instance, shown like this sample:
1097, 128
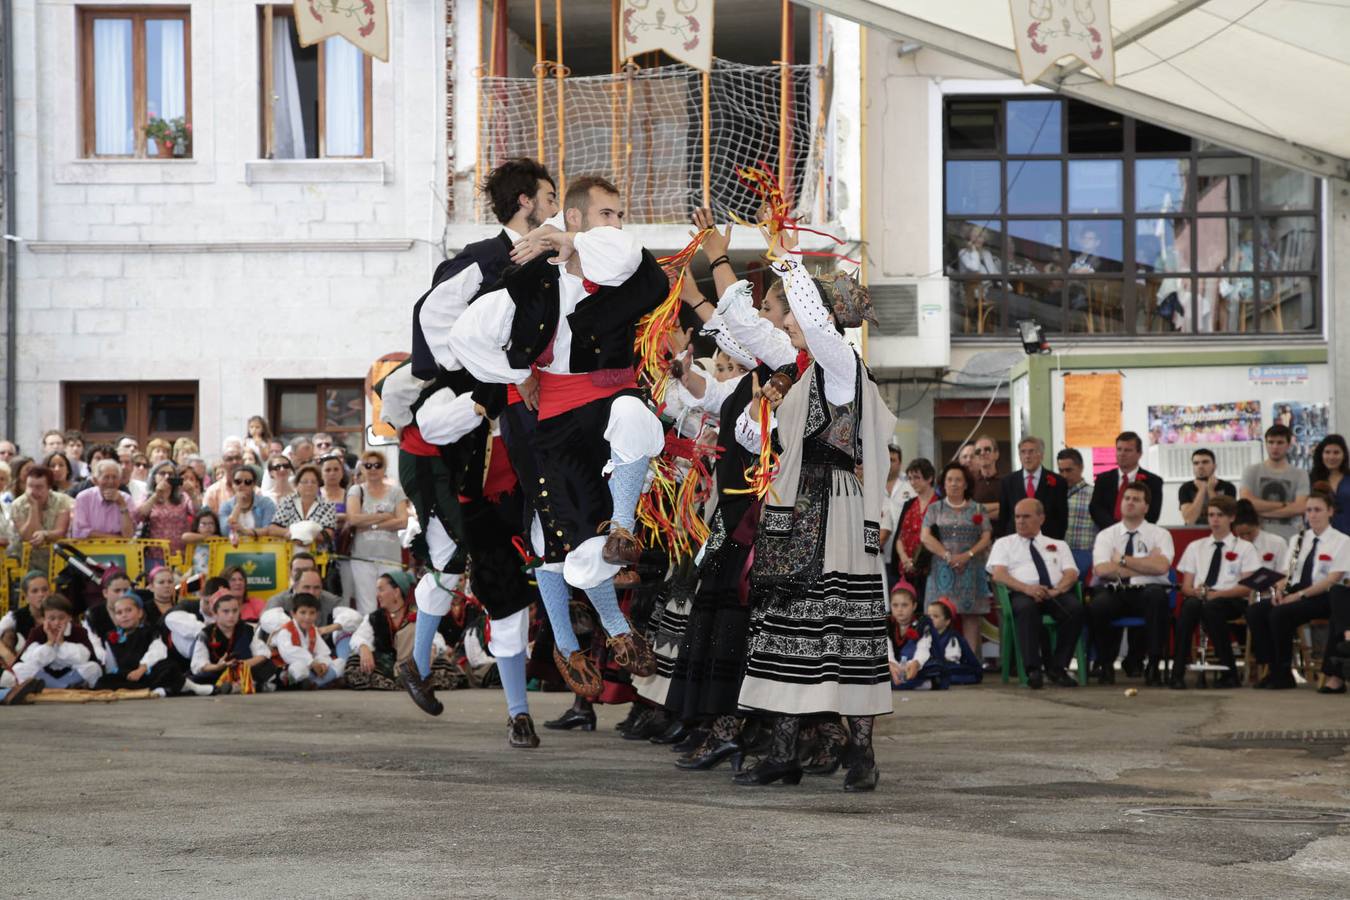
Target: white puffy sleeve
715, 393
828, 347
748, 433
399, 393
753, 332
716, 328
479, 338
364, 636
445, 418
155, 653
443, 306
608, 256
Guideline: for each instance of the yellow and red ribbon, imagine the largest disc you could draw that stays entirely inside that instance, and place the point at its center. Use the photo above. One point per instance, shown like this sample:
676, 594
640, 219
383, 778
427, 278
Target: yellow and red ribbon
759, 477
655, 328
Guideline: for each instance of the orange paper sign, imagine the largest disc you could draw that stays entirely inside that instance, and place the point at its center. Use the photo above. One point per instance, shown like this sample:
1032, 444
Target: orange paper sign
1092, 409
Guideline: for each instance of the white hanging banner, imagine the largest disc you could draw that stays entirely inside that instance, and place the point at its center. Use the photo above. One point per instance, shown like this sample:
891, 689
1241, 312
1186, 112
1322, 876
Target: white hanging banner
365, 23
680, 28
1046, 31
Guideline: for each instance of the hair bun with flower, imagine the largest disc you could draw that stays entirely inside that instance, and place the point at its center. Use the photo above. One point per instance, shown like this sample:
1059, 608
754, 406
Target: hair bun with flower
849, 302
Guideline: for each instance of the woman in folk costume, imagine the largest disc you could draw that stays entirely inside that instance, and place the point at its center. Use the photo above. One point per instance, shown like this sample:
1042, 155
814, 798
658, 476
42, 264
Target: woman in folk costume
818, 640
706, 673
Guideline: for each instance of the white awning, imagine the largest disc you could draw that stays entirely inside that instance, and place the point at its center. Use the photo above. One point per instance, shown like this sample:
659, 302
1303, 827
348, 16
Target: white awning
1267, 77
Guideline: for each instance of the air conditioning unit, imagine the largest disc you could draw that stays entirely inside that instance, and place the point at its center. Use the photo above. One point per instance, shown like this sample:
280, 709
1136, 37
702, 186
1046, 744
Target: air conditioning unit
914, 324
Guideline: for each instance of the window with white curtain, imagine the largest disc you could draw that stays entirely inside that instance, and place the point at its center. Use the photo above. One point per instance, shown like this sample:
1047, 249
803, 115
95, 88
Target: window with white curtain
136, 68
315, 101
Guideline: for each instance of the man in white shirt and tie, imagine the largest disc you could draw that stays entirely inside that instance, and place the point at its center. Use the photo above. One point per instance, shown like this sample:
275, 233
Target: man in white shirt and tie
1039, 573
1210, 571
1130, 560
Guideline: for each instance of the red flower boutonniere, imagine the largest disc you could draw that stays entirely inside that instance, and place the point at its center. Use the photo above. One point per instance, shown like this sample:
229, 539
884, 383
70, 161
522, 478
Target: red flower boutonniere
1050, 547
1230, 556
977, 518
589, 286
911, 634
112, 637
1050, 480
1268, 557
1324, 557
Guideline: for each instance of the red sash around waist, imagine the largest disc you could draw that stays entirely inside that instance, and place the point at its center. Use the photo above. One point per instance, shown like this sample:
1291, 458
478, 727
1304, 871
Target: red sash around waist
562, 393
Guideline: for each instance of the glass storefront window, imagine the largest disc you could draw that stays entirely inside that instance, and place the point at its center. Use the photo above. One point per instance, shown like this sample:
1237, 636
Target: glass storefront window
1161, 185
1034, 127
1037, 246
973, 188
1034, 186
1098, 224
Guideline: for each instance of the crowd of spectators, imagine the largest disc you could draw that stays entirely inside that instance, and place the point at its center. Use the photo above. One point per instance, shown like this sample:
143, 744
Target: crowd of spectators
1091, 558
1088, 556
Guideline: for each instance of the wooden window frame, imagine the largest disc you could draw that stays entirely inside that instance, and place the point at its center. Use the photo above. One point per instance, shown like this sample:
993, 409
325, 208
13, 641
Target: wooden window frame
138, 15
277, 386
138, 408
268, 13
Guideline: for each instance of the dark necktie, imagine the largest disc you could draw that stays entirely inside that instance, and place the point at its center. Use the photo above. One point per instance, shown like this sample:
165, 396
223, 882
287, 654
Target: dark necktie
1305, 575
1042, 573
1215, 559
1129, 551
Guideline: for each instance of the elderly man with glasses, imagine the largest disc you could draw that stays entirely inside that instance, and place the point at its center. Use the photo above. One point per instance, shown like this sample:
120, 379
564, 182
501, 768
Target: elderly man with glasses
232, 455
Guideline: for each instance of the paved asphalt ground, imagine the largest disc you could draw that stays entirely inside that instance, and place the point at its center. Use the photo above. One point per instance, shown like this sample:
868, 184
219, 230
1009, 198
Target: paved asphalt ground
985, 792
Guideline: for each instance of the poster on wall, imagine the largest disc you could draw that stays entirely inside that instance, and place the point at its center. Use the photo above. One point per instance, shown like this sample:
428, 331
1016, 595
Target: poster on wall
1310, 422
1092, 409
1206, 423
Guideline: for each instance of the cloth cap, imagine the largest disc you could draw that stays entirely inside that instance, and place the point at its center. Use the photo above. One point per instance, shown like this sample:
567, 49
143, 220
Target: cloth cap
402, 580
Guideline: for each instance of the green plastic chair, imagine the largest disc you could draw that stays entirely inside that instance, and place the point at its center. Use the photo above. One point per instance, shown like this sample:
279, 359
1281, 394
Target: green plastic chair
1010, 650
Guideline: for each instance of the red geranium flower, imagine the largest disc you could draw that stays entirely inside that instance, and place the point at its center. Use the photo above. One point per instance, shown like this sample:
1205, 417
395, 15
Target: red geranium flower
1050, 479
1050, 547
112, 637
1324, 557
977, 518
1230, 556
1268, 557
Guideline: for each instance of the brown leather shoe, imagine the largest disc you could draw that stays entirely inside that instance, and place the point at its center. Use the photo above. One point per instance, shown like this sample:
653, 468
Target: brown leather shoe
621, 547
419, 689
580, 673
520, 732
632, 652
627, 578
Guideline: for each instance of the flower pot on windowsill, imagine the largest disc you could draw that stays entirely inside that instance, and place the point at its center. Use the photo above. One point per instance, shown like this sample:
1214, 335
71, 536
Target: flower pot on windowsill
164, 149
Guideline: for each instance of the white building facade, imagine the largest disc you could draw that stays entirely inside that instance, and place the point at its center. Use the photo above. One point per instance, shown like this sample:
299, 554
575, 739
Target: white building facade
181, 295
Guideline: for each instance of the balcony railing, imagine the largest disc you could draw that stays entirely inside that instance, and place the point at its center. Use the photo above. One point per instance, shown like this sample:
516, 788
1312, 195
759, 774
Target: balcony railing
643, 129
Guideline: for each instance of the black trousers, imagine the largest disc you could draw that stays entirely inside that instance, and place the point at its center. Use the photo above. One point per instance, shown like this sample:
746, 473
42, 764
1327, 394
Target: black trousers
1111, 602
1273, 628
1215, 615
1066, 610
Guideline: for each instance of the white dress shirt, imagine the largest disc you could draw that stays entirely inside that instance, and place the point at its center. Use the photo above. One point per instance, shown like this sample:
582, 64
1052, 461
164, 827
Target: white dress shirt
1273, 551
1147, 538
1332, 549
1013, 551
1238, 560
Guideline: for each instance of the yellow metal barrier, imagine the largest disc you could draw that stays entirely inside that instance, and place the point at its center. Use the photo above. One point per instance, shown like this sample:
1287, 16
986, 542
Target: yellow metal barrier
129, 556
266, 563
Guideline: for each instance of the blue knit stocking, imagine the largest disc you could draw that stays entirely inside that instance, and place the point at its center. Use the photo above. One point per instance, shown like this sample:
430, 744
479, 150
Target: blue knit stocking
556, 596
512, 671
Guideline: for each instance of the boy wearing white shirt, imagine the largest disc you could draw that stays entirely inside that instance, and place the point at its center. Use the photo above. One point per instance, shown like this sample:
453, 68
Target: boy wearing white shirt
1039, 573
1210, 571
1319, 558
1131, 559
301, 654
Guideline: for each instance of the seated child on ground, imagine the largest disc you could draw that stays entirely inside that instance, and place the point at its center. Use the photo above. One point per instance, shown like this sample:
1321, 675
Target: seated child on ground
301, 653
911, 639
59, 652
229, 654
134, 655
17, 623
952, 661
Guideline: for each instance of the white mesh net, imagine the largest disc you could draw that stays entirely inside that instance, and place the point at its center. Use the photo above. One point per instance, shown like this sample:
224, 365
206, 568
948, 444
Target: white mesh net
643, 130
